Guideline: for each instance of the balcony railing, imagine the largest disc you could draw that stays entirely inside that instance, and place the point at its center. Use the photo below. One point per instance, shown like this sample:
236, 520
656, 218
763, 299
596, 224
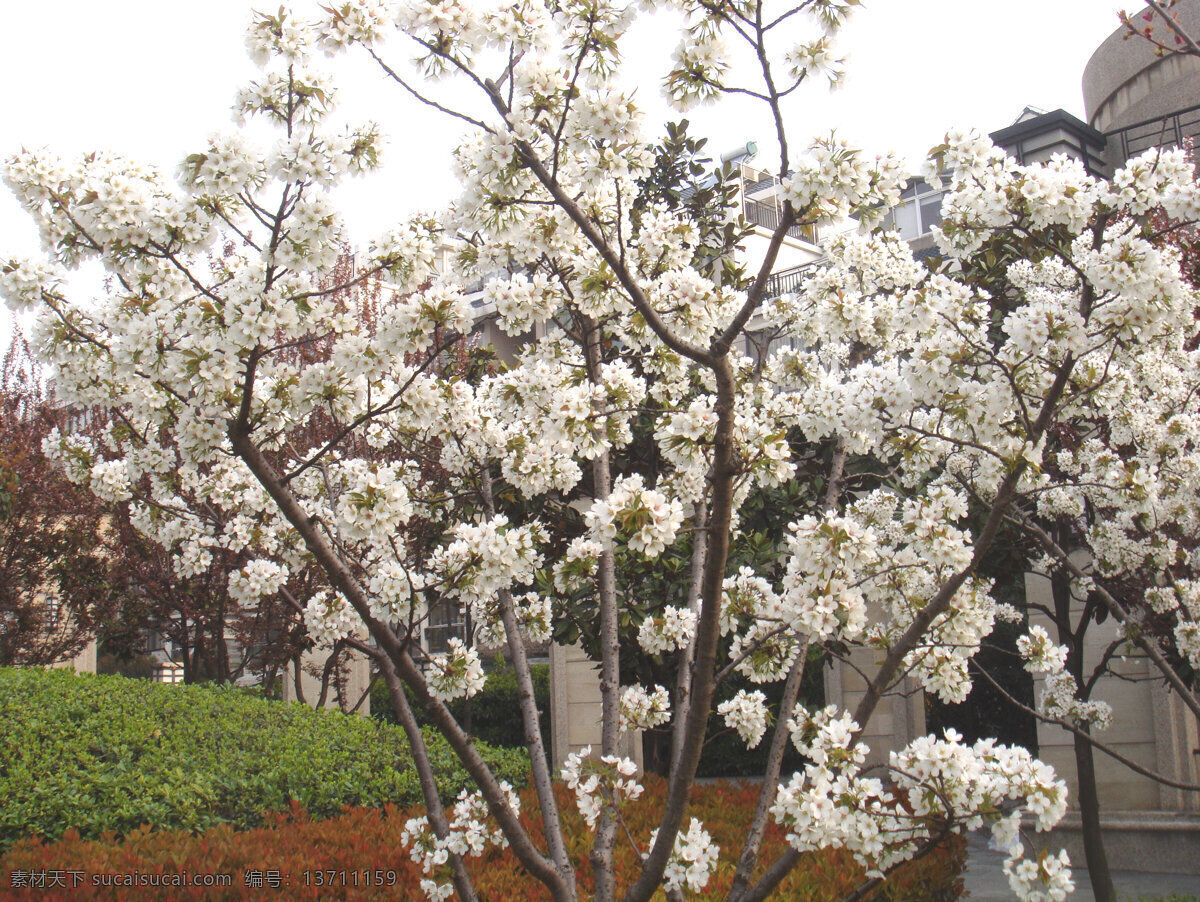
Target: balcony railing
787, 281
767, 216
1166, 131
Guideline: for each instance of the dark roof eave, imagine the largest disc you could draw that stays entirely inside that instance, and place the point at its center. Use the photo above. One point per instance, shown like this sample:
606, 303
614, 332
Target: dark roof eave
1057, 118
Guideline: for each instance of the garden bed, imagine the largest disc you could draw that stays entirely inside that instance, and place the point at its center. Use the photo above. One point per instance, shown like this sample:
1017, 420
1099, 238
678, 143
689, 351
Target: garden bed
358, 855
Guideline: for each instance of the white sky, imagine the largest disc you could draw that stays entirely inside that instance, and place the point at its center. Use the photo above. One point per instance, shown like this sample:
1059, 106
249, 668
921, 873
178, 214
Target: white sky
153, 78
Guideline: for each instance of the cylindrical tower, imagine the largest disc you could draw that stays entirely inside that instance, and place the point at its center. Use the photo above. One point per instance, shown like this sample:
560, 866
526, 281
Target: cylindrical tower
1139, 99
1125, 82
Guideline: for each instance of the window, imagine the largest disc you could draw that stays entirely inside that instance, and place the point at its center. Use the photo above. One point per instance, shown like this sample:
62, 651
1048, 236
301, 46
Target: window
445, 622
919, 210
168, 672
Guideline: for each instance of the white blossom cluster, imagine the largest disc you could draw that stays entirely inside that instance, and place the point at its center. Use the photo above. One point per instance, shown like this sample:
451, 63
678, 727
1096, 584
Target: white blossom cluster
746, 713
374, 502
545, 417
1040, 653
396, 595
1059, 696
609, 780
328, 617
817, 58
642, 709
643, 518
1182, 600
765, 651
456, 674
828, 558
1048, 879
763, 648
468, 836
577, 566
835, 181
685, 438
893, 554
936, 784
256, 580
533, 613
693, 858
485, 558
669, 631
747, 599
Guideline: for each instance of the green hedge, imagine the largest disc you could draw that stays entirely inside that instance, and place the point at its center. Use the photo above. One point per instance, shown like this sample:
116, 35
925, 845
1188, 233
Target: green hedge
103, 753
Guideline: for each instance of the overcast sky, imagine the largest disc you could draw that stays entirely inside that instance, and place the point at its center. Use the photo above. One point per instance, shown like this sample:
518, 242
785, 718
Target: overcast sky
153, 78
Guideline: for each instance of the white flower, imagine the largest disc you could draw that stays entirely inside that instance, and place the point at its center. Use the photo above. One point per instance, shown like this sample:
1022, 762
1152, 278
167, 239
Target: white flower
642, 710
256, 580
1040, 653
608, 781
692, 860
669, 631
1046, 880
642, 517
456, 674
746, 712
329, 617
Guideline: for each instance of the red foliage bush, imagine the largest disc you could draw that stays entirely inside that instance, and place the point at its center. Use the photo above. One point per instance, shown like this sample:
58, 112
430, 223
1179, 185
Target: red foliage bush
358, 855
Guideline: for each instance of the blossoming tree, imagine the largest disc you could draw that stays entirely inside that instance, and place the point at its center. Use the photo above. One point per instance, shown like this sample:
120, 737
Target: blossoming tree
628, 314
1085, 651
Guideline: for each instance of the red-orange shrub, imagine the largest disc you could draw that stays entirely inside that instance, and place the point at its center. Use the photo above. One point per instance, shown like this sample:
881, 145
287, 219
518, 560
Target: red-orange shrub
308, 855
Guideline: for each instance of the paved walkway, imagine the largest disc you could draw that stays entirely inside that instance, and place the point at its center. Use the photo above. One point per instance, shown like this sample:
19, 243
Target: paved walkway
986, 881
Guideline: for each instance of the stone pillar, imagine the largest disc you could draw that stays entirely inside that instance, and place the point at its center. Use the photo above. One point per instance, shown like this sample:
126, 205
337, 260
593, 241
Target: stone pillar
355, 665
575, 709
85, 661
1177, 747
1137, 730
900, 716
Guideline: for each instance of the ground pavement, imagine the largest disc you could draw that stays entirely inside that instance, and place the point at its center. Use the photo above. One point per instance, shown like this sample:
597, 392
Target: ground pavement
986, 881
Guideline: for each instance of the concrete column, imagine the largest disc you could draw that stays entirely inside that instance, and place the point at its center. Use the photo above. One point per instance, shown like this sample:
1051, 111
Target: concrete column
575, 709
356, 667
1141, 730
85, 661
900, 716
1177, 748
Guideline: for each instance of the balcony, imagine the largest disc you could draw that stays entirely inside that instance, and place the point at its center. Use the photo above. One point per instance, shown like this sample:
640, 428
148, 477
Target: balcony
761, 204
766, 215
788, 281
1167, 131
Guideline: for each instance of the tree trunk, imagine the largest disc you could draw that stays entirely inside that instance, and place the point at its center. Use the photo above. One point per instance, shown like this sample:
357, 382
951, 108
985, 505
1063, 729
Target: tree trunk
468, 639
394, 649
1085, 765
780, 737
185, 648
420, 756
538, 761
1089, 811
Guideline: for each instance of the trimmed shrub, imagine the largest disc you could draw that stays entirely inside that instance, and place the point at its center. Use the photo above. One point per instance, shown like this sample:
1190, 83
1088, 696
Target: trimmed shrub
107, 753
357, 855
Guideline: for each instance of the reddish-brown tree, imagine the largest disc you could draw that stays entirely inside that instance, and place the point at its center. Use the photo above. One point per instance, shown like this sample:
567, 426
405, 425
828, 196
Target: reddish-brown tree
57, 583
